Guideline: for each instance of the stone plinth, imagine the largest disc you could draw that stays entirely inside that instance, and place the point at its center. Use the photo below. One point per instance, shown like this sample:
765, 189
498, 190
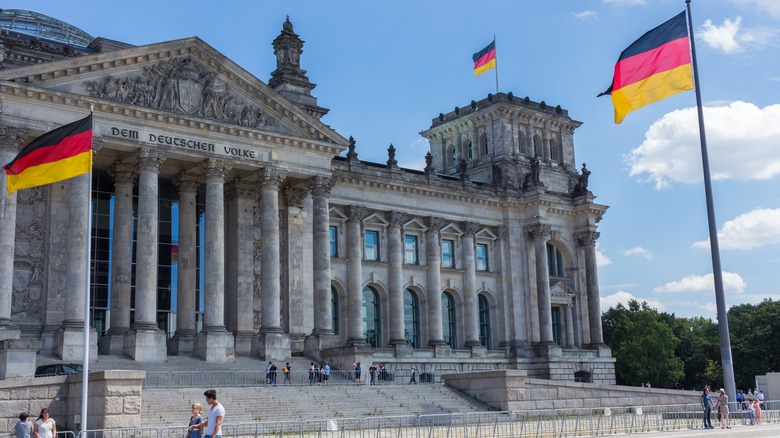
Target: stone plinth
180, 345
547, 350
9, 332
271, 346
243, 343
215, 347
478, 351
69, 343
499, 389
402, 349
17, 357
145, 345
114, 399
442, 350
112, 343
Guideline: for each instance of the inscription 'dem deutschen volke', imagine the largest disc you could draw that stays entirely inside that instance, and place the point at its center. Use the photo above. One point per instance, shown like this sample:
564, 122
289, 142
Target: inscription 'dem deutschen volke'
181, 142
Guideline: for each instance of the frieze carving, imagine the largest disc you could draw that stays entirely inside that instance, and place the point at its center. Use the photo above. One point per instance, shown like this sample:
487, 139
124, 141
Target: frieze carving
321, 185
538, 231
12, 138
587, 238
37, 45
181, 86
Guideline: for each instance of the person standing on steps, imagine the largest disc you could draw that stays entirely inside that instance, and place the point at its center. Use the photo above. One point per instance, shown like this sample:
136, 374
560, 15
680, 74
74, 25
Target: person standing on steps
413, 375
372, 373
213, 423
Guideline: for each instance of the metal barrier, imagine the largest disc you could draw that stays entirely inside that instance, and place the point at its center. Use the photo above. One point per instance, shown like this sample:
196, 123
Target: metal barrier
223, 379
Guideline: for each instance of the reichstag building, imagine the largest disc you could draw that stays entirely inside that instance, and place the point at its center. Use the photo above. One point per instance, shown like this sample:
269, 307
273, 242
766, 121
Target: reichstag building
227, 219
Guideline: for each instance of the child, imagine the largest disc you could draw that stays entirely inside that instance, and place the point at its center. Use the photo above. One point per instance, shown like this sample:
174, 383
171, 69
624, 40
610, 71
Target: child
23, 428
751, 412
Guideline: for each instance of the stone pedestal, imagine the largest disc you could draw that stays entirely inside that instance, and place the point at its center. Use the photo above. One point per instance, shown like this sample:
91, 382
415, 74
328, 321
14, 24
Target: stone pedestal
243, 343
478, 351
112, 343
145, 345
114, 399
603, 350
403, 349
180, 345
9, 332
547, 349
69, 344
271, 346
215, 347
17, 357
314, 344
442, 350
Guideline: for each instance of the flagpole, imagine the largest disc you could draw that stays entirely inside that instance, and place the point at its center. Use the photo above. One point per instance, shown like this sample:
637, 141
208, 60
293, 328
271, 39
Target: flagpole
85, 356
496, 59
720, 299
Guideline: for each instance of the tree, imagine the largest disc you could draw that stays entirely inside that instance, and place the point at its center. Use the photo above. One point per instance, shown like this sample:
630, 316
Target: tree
643, 346
699, 345
755, 346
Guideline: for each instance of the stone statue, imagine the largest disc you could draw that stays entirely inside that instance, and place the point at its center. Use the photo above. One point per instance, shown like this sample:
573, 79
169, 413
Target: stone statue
581, 187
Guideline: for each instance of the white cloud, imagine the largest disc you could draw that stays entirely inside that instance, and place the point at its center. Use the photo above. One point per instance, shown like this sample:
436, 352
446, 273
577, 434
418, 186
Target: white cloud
638, 250
772, 7
750, 230
623, 297
721, 38
704, 283
742, 144
586, 15
601, 258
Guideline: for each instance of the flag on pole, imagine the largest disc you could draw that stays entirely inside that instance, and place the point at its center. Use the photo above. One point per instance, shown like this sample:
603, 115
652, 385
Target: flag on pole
485, 59
55, 156
654, 67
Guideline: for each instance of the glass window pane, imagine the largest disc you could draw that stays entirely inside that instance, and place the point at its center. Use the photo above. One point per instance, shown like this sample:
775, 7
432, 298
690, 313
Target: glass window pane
484, 321
448, 319
447, 259
410, 250
482, 257
371, 314
333, 242
556, 324
411, 319
372, 245
334, 309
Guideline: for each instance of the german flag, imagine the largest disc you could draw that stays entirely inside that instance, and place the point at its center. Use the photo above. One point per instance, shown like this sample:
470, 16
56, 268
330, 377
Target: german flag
55, 156
654, 67
485, 59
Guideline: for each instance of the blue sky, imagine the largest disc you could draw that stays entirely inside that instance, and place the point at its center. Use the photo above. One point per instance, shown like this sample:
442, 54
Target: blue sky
385, 69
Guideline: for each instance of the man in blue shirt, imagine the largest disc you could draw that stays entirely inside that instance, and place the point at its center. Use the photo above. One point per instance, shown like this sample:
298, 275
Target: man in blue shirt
706, 404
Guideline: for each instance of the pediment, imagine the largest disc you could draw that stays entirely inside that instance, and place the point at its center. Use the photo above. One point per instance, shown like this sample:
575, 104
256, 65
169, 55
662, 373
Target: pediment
185, 77
376, 220
485, 234
451, 229
415, 225
336, 215
561, 293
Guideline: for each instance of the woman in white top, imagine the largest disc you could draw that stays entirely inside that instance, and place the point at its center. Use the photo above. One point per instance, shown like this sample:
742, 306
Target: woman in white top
45, 426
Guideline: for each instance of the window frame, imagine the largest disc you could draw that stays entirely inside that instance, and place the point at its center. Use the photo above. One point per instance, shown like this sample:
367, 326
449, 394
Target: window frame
377, 245
486, 247
452, 264
333, 238
415, 251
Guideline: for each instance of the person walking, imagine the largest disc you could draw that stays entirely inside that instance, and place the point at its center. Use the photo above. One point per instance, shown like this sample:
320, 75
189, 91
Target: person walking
723, 409
45, 426
213, 423
706, 404
413, 375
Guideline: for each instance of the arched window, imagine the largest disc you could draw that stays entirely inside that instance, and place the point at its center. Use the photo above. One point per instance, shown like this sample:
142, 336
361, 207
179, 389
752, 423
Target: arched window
555, 150
554, 261
334, 310
411, 318
453, 157
484, 322
521, 146
470, 150
538, 147
484, 144
448, 319
371, 317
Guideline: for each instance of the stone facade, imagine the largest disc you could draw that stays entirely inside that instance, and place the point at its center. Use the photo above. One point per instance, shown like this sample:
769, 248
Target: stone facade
227, 222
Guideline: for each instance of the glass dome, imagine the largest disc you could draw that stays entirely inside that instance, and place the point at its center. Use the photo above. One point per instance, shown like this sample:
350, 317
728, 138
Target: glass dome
43, 27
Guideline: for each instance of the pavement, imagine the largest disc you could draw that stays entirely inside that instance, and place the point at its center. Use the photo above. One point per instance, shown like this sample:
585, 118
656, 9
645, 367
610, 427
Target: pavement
742, 431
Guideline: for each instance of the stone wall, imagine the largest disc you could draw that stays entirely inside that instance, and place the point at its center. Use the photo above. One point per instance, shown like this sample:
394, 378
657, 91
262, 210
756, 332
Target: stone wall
511, 390
114, 399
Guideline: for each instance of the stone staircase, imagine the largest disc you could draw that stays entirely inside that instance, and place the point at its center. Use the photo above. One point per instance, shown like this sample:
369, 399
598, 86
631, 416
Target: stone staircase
165, 407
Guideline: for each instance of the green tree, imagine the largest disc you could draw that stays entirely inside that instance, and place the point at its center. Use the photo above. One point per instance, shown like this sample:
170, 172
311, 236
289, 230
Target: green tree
755, 346
699, 344
643, 345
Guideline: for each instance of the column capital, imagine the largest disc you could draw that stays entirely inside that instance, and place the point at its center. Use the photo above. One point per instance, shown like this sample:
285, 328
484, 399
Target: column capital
122, 173
216, 170
12, 138
538, 231
321, 185
502, 232
240, 189
271, 177
397, 218
150, 159
587, 238
295, 196
356, 213
186, 181
470, 228
434, 223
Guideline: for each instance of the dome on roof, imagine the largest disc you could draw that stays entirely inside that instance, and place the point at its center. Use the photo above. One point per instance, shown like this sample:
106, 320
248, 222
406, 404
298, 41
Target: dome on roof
43, 27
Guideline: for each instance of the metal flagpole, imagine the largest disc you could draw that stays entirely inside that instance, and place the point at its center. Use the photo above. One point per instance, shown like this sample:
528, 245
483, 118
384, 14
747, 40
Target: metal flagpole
720, 299
496, 59
85, 356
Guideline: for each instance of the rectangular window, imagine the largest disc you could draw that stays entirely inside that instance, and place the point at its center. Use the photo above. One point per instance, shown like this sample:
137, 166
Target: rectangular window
447, 256
371, 247
334, 248
411, 256
556, 325
482, 257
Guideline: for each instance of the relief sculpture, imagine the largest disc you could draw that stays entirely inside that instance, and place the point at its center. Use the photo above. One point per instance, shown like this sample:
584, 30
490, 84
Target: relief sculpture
29, 252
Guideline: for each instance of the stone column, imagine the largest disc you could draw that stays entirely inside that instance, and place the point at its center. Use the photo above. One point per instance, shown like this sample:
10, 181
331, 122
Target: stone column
124, 177
569, 321
11, 140
145, 342
186, 281
588, 241
214, 343
296, 303
470, 286
395, 281
239, 280
320, 192
433, 276
355, 276
539, 234
271, 343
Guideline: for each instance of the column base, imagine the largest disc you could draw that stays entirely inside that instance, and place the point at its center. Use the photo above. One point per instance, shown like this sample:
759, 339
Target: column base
271, 346
181, 344
17, 357
547, 349
316, 342
441, 350
402, 348
145, 345
297, 342
113, 342
69, 344
603, 349
243, 343
9, 332
520, 349
478, 351
214, 346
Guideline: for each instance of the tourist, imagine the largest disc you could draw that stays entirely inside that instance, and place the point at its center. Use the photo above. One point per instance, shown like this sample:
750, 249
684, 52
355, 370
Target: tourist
213, 423
757, 408
287, 370
326, 372
372, 373
751, 412
273, 371
706, 404
357, 372
723, 409
311, 374
760, 396
382, 373
317, 374
195, 419
413, 375
740, 399
45, 426
268, 373
23, 428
